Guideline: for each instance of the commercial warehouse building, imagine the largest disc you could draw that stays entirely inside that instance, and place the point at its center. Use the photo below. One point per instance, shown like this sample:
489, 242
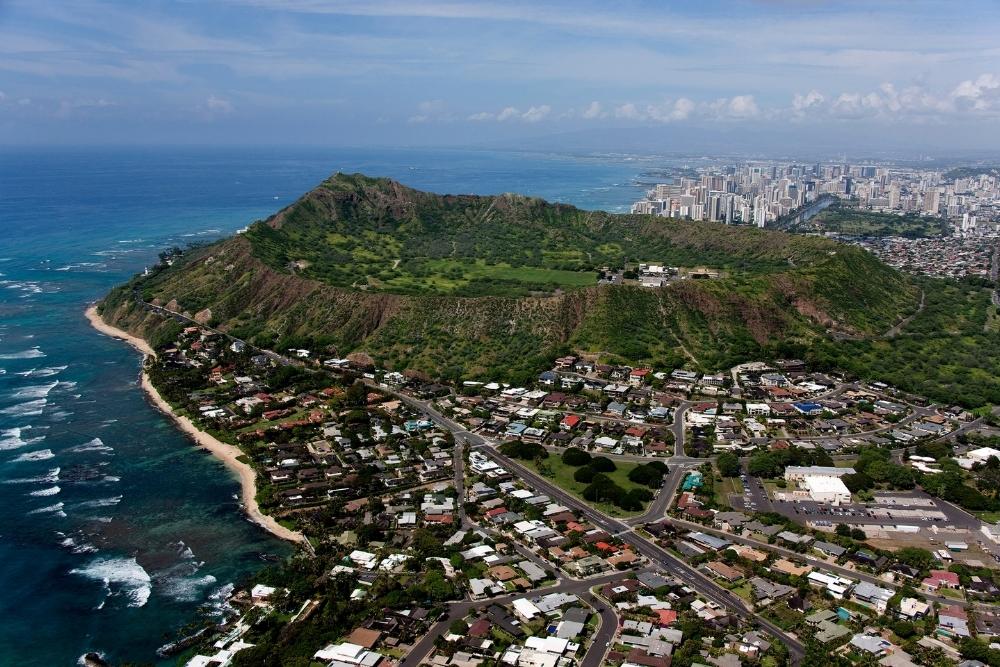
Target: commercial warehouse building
821, 484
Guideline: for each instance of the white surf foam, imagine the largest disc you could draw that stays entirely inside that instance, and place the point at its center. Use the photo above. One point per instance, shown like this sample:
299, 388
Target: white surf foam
95, 445
37, 455
49, 478
218, 601
186, 589
32, 353
26, 409
180, 581
56, 509
85, 660
35, 391
184, 551
13, 438
49, 491
100, 502
77, 545
82, 265
123, 578
48, 371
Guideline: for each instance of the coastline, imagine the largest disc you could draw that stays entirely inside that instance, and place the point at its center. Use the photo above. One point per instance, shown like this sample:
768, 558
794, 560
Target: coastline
223, 451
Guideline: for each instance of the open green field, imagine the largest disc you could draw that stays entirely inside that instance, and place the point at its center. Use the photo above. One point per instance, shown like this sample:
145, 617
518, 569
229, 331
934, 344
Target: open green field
727, 487
988, 517
561, 474
744, 591
462, 276
859, 222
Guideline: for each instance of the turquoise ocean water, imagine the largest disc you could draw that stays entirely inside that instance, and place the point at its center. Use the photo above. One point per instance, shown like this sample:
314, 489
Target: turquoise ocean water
114, 530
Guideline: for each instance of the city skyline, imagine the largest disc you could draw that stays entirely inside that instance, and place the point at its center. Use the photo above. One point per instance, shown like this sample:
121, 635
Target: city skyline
737, 75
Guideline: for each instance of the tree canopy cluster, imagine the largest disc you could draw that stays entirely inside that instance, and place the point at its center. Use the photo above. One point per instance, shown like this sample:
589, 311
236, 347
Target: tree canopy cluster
526, 451
770, 464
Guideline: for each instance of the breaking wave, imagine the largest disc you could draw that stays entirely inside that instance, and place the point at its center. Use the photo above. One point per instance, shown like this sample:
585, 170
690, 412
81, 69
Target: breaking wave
35, 391
38, 455
33, 353
49, 478
100, 502
47, 371
94, 445
13, 438
123, 578
56, 509
26, 409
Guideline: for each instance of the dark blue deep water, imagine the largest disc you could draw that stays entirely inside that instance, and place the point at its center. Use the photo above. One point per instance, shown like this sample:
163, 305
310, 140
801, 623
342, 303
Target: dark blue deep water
114, 530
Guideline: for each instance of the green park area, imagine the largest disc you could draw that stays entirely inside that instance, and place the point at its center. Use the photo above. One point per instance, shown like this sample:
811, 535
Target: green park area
617, 488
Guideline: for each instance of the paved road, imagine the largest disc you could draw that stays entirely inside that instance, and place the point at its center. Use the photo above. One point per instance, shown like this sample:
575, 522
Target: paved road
894, 331
658, 507
459, 610
815, 562
458, 465
755, 489
654, 553
678, 428
558, 450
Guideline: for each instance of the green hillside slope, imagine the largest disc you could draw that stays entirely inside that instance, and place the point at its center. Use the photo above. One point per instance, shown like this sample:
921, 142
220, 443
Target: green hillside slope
355, 231
467, 286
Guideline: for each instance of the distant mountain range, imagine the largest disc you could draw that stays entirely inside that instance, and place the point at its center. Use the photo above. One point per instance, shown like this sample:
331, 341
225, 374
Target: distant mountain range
463, 286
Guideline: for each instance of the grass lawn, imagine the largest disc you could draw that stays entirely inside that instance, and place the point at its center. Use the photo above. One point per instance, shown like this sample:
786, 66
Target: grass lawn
727, 487
743, 590
951, 593
786, 618
771, 488
562, 475
454, 275
988, 517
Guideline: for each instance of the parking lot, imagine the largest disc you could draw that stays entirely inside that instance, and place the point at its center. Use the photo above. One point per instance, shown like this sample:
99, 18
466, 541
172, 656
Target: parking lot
754, 498
913, 508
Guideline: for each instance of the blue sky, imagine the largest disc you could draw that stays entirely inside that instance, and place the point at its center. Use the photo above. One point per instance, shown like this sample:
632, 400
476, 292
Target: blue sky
891, 74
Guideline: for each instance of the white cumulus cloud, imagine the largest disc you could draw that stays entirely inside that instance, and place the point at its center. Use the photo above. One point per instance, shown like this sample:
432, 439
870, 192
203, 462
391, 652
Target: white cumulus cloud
535, 114
594, 110
979, 94
812, 99
219, 105
628, 111
508, 114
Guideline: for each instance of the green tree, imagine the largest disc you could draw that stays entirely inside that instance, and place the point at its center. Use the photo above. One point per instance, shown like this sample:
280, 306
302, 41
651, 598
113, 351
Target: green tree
728, 464
574, 456
603, 464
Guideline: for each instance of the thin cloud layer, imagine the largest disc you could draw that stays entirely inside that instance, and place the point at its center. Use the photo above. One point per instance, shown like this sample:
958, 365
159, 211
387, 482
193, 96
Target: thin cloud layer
485, 69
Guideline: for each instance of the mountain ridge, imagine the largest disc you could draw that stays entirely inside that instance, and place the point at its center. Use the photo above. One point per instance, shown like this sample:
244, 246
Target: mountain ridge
295, 280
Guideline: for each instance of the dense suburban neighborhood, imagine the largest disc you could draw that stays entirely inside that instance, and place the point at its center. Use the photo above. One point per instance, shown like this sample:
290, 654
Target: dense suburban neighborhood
604, 515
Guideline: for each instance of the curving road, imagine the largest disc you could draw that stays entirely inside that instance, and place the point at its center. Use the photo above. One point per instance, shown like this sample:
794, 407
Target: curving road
459, 610
820, 563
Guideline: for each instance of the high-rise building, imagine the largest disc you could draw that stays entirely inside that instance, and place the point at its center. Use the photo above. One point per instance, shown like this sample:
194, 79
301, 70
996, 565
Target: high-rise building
932, 201
894, 196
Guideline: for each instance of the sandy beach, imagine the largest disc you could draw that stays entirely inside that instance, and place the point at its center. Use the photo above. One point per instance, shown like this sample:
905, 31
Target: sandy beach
225, 452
